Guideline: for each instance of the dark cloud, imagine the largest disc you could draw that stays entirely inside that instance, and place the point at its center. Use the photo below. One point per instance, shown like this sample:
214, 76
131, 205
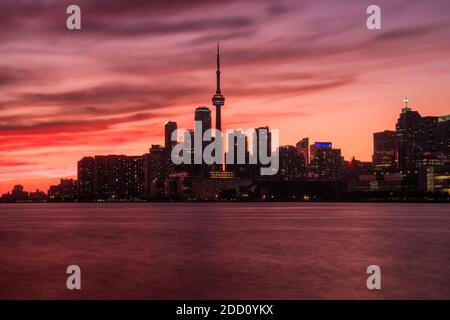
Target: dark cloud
6, 79
132, 28
75, 126
274, 90
90, 99
15, 76
408, 32
115, 18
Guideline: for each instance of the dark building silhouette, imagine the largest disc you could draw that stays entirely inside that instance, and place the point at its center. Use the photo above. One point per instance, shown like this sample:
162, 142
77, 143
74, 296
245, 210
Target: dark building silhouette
102, 180
354, 168
18, 194
431, 143
133, 187
443, 138
86, 178
235, 140
157, 167
327, 163
420, 138
411, 135
190, 168
291, 163
385, 150
169, 127
116, 177
203, 115
65, 191
37, 196
303, 149
317, 145
437, 137
434, 178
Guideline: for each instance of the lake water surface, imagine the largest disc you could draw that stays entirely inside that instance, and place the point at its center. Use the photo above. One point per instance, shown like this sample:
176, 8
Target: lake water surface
225, 250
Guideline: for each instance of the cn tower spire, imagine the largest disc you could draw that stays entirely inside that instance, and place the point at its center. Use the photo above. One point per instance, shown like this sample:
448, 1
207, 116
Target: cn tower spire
218, 100
218, 70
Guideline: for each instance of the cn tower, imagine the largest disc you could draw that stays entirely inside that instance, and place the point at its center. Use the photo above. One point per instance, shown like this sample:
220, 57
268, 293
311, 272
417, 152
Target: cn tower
218, 99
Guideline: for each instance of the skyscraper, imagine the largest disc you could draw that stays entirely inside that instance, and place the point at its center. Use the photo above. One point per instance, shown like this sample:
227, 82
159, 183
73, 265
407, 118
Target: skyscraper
292, 163
385, 150
238, 149
203, 114
303, 149
218, 100
327, 163
411, 136
431, 135
317, 145
118, 177
157, 167
443, 137
86, 168
169, 127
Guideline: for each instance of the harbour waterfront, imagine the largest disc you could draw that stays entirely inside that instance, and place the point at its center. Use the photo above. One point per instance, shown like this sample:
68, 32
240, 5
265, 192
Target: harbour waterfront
225, 250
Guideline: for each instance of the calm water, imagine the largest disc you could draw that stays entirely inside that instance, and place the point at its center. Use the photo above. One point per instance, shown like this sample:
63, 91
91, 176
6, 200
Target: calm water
225, 251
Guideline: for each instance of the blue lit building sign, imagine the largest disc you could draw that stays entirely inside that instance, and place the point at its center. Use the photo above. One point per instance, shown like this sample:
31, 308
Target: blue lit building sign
323, 144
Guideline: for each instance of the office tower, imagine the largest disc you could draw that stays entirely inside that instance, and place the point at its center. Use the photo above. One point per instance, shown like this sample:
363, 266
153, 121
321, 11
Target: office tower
303, 148
169, 127
411, 137
118, 177
292, 163
101, 177
18, 194
157, 167
218, 100
327, 163
65, 191
443, 138
385, 150
133, 177
354, 168
238, 140
203, 114
85, 178
431, 136
314, 147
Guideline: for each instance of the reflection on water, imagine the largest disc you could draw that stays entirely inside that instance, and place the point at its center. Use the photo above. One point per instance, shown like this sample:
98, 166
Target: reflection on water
225, 251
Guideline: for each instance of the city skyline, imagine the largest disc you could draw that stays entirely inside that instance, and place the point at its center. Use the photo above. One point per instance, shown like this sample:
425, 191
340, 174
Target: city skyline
410, 163
328, 89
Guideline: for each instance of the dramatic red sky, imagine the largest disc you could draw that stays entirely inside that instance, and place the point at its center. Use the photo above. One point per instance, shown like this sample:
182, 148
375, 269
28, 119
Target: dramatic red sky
309, 68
